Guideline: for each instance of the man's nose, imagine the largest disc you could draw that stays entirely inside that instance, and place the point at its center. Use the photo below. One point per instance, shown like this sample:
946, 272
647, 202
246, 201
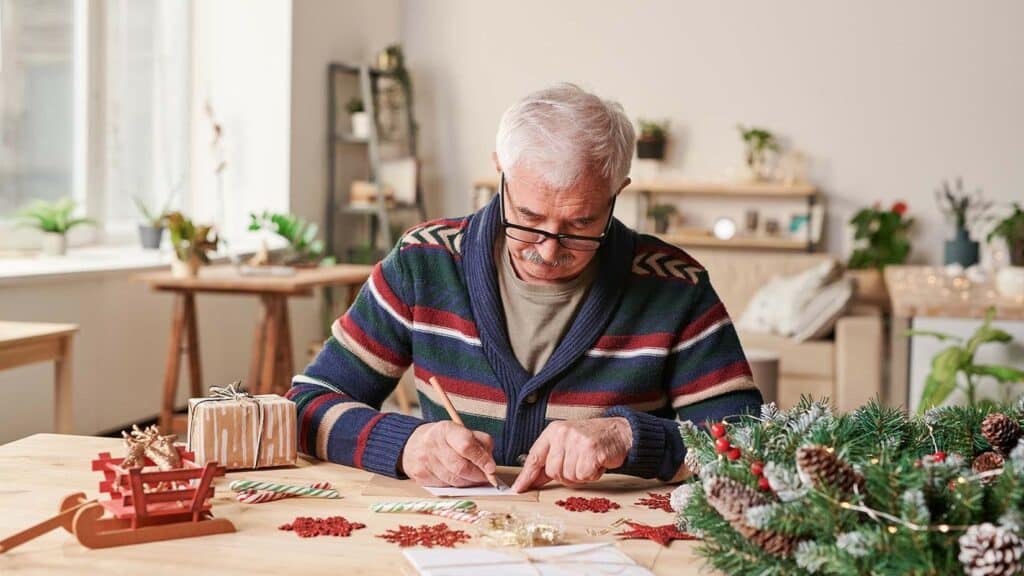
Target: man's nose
548, 249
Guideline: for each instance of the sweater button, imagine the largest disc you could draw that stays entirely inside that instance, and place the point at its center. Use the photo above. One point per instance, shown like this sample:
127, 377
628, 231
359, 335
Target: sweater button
531, 398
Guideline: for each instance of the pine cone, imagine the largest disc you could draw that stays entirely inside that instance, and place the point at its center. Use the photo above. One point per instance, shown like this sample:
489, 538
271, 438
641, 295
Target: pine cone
732, 499
692, 463
987, 550
987, 461
1001, 431
820, 467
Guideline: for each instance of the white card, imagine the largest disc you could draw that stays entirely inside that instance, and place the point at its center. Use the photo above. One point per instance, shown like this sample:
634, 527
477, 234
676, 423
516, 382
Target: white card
447, 491
600, 558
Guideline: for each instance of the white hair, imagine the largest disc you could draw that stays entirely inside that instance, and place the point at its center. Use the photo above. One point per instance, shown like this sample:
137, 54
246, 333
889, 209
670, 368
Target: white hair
562, 131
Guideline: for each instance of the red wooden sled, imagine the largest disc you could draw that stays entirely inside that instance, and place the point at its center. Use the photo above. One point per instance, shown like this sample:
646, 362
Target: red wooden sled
139, 512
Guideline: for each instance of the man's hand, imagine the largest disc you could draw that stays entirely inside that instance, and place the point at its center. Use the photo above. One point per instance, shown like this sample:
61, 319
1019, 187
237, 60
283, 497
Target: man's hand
446, 454
576, 451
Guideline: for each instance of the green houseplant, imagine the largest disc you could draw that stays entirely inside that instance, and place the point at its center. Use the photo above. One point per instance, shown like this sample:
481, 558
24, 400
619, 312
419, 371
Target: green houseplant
192, 244
758, 143
1011, 229
360, 120
958, 360
151, 229
304, 249
54, 220
661, 213
650, 144
880, 238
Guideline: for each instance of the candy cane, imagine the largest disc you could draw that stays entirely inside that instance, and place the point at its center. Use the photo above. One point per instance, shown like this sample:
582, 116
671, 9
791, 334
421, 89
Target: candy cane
461, 516
306, 491
423, 506
259, 497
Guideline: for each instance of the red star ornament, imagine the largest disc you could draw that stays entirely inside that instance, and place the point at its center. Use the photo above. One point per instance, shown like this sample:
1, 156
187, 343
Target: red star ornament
661, 534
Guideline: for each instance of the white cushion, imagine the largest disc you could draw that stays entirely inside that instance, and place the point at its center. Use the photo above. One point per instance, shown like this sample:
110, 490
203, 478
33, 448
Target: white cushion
777, 306
819, 317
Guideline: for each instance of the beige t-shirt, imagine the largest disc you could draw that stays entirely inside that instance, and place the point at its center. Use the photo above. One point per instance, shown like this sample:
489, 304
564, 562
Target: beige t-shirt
537, 316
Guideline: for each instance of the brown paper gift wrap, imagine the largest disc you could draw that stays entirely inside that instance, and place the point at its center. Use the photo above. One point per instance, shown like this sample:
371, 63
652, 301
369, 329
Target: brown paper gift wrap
227, 430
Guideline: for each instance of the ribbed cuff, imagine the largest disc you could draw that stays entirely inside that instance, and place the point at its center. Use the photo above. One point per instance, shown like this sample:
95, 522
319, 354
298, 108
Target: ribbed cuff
653, 452
385, 442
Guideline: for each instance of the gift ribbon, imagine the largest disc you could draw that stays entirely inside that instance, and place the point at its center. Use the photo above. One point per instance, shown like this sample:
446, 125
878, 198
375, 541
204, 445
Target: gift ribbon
232, 392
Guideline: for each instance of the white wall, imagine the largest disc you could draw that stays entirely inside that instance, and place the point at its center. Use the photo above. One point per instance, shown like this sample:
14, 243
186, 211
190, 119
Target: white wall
888, 98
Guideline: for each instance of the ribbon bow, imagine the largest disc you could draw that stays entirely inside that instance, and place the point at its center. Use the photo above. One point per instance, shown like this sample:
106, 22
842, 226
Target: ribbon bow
232, 392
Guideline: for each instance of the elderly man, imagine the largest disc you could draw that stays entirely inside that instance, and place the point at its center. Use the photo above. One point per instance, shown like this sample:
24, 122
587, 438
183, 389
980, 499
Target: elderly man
567, 342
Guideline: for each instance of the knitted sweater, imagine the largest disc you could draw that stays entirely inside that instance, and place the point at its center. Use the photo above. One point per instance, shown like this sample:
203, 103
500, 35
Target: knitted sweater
650, 341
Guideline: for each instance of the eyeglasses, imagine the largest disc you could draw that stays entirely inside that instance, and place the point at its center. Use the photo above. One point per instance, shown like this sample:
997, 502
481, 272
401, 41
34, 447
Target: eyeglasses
536, 236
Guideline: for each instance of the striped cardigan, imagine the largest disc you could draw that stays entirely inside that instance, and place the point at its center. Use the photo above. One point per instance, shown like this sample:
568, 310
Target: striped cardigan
650, 342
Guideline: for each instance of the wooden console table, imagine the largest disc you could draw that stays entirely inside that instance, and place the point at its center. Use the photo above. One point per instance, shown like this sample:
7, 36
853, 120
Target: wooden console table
24, 343
271, 365
37, 471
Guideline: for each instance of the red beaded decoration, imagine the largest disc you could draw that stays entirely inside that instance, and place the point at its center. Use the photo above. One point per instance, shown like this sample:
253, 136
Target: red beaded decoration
663, 535
425, 535
656, 501
306, 527
580, 504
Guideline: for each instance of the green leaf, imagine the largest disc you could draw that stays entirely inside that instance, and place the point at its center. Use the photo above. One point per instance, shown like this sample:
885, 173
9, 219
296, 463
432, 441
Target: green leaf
941, 336
941, 382
1004, 374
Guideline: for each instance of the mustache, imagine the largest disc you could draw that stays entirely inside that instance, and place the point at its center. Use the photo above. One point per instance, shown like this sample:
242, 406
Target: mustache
532, 256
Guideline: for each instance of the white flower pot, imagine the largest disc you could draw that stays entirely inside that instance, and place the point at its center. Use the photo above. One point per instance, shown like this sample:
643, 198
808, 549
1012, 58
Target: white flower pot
361, 125
54, 244
185, 269
1010, 281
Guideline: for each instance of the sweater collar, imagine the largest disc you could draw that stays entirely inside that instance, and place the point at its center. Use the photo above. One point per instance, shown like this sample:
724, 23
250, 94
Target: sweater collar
614, 263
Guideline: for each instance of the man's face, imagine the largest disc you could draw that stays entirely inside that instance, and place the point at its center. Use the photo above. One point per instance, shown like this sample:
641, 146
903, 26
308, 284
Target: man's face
581, 210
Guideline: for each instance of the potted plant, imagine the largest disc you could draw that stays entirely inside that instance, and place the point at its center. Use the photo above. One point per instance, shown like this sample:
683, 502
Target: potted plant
192, 245
54, 220
949, 364
880, 239
151, 229
1011, 229
304, 249
650, 145
359, 118
965, 210
758, 143
661, 213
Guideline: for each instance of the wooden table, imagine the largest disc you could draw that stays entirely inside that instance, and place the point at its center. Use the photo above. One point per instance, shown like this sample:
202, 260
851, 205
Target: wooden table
271, 365
24, 343
37, 471
928, 292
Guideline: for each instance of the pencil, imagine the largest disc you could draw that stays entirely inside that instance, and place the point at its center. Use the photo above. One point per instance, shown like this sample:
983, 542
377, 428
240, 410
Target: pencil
458, 420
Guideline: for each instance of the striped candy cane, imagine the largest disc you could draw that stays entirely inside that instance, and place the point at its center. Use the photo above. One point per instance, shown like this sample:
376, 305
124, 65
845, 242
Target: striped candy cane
306, 491
424, 506
471, 517
259, 497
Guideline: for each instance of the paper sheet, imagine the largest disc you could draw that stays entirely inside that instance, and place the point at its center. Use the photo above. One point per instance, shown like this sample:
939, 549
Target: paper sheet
603, 558
384, 486
471, 491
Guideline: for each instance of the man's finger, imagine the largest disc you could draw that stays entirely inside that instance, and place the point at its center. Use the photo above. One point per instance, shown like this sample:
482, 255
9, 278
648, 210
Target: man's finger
534, 465
468, 445
456, 471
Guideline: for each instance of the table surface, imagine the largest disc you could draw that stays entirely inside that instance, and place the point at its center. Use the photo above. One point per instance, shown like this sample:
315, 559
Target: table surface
13, 333
37, 471
226, 278
929, 291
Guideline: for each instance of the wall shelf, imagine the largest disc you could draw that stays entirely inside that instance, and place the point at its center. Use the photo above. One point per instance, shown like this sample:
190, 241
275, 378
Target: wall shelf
693, 240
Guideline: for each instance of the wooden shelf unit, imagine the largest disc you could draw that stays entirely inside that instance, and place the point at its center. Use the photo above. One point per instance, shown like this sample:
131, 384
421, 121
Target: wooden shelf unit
745, 242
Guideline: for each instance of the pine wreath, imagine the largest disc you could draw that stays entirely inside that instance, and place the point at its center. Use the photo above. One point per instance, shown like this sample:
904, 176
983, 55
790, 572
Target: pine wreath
873, 491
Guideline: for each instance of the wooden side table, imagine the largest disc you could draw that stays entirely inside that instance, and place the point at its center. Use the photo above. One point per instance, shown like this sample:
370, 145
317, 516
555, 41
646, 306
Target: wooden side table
271, 364
24, 343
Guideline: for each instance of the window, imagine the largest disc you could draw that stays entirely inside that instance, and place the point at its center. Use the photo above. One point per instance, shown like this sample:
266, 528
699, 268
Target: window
94, 104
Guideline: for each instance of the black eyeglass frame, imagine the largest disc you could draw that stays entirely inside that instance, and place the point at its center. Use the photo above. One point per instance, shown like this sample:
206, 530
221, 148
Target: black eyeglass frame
598, 240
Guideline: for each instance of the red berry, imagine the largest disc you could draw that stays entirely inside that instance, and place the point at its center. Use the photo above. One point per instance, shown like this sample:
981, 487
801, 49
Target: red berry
899, 208
763, 484
718, 430
734, 454
722, 445
757, 468
939, 456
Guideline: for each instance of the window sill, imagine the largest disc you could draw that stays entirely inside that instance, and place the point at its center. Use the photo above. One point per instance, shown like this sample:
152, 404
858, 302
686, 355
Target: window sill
99, 260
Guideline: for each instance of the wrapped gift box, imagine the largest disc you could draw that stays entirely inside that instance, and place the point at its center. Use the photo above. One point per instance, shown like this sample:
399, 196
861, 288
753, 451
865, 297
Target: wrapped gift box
228, 430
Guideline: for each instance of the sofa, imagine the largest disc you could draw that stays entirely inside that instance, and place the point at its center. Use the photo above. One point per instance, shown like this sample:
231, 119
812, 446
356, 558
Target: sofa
846, 367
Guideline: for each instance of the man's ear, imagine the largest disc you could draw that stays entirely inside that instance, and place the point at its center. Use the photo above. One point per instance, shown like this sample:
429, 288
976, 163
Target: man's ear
627, 182
497, 164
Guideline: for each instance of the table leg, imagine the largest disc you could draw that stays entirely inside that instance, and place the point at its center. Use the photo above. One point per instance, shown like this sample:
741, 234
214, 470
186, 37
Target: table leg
195, 378
256, 356
173, 364
898, 393
287, 356
63, 419
270, 344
